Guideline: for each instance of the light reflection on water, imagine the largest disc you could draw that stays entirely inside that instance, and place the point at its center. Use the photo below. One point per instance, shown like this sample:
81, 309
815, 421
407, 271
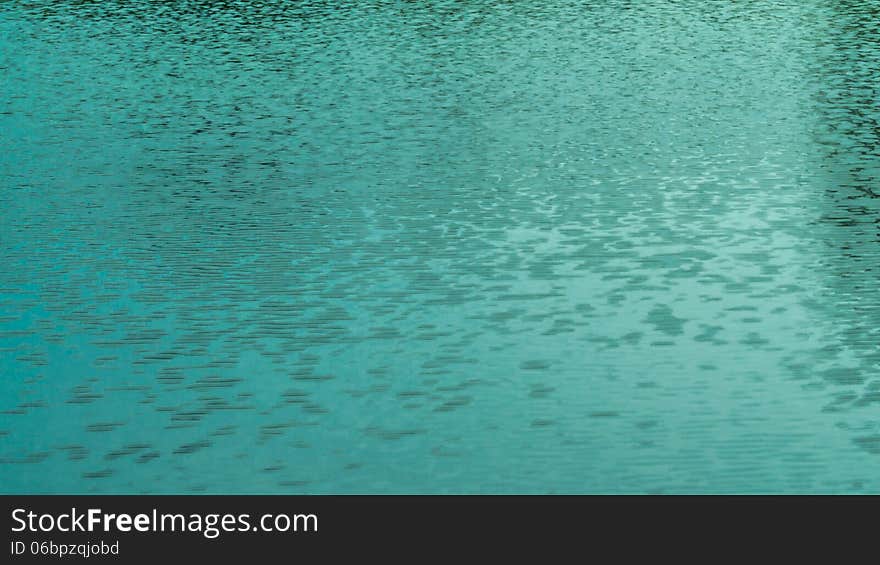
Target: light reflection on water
467, 247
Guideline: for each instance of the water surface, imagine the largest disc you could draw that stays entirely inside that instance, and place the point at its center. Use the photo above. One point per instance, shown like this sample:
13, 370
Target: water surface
292, 247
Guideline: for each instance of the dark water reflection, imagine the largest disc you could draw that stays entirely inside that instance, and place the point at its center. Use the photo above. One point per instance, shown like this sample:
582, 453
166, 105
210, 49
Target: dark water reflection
458, 247
849, 135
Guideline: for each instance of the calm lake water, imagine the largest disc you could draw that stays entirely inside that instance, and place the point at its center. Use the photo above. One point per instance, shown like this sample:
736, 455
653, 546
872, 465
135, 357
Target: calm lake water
580, 247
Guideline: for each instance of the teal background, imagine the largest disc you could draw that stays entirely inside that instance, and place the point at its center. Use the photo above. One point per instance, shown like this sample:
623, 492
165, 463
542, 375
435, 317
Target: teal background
434, 247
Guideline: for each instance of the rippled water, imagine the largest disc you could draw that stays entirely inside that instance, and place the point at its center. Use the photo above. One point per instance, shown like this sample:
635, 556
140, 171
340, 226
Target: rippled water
459, 247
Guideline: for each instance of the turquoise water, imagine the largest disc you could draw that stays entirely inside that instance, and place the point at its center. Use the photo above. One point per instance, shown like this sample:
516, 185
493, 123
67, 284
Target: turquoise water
284, 247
